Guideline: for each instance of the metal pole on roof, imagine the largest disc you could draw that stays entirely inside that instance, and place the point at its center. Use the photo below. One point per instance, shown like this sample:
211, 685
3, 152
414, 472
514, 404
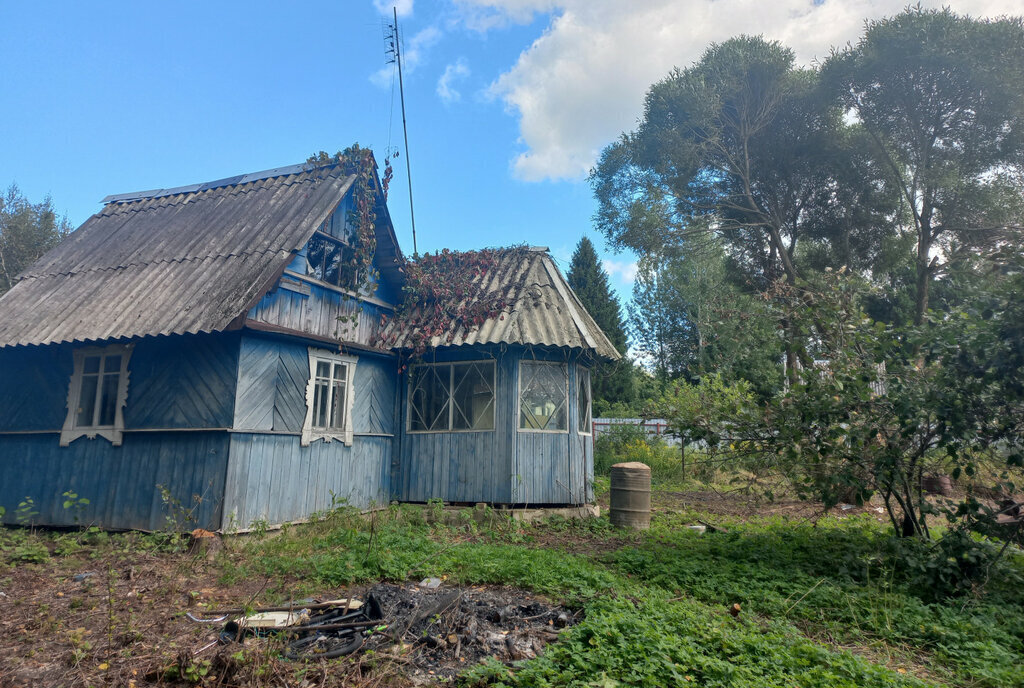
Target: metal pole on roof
405, 132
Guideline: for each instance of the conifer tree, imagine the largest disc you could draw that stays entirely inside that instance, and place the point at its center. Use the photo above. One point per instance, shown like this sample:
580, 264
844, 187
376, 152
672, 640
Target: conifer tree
611, 382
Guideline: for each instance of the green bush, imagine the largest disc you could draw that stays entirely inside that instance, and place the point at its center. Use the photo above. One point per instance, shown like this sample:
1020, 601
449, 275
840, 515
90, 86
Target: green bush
610, 446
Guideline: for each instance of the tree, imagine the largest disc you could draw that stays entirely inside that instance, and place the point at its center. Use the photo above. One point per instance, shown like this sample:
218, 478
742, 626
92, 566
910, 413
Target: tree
690, 320
736, 144
27, 231
611, 382
941, 97
743, 145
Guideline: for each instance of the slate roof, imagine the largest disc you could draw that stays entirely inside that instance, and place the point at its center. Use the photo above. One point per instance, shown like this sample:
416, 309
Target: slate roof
196, 259
176, 261
543, 311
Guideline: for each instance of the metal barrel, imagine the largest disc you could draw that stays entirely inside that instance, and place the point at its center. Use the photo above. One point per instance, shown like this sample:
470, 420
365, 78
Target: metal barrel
631, 495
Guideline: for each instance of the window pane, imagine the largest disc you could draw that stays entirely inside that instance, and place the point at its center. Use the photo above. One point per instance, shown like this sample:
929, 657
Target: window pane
92, 364
87, 399
429, 397
323, 369
542, 405
108, 398
112, 364
340, 371
332, 261
315, 251
338, 407
320, 393
583, 399
473, 397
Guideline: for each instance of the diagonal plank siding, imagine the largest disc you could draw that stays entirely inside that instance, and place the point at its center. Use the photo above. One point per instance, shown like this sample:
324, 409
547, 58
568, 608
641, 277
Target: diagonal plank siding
182, 382
271, 390
34, 388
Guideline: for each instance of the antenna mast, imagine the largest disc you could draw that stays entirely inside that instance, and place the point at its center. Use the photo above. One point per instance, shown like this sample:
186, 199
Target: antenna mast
394, 41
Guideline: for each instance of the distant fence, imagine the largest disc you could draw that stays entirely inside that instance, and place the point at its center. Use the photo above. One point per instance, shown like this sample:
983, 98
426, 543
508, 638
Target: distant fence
654, 427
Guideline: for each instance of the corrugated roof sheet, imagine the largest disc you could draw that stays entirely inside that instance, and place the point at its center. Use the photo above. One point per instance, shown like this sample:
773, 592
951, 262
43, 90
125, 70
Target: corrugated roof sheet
544, 310
173, 263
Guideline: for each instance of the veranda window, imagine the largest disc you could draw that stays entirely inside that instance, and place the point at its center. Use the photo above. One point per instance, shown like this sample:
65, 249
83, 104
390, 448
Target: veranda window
543, 396
447, 397
583, 401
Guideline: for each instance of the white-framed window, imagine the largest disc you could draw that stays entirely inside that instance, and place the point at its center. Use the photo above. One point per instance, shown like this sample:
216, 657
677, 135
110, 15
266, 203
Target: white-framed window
451, 397
543, 396
583, 401
97, 394
329, 397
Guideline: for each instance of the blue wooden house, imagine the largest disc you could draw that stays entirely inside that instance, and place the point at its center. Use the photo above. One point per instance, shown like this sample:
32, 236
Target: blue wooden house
193, 350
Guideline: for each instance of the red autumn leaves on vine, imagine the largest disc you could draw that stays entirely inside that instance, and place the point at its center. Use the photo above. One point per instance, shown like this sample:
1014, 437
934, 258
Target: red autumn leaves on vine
451, 293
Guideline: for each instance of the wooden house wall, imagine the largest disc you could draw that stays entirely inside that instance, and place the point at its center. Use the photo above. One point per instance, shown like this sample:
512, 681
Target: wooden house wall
461, 466
179, 404
302, 304
553, 467
270, 476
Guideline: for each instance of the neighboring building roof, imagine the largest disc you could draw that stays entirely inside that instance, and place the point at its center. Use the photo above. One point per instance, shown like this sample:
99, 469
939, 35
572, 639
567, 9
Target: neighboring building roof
178, 261
543, 310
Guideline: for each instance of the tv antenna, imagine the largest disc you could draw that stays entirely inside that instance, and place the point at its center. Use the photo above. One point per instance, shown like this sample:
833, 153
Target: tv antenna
394, 54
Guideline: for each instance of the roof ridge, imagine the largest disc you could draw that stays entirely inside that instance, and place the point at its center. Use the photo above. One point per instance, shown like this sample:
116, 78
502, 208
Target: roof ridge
137, 205
272, 173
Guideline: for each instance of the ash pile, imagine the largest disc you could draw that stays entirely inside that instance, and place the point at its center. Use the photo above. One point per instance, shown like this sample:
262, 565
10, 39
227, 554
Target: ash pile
440, 631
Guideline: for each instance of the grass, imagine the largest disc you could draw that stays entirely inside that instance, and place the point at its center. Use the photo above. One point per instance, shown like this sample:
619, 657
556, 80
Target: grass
825, 604
656, 611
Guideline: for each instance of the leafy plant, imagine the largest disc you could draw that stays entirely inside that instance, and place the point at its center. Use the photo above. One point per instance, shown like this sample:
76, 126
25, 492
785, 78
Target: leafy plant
26, 511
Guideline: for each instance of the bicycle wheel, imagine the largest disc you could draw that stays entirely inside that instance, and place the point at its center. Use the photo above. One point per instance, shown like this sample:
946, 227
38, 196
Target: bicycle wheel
324, 646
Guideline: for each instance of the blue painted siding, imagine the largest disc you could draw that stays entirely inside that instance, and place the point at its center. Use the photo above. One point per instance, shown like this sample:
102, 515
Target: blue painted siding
119, 482
174, 382
272, 478
271, 390
323, 312
462, 466
34, 388
182, 382
554, 467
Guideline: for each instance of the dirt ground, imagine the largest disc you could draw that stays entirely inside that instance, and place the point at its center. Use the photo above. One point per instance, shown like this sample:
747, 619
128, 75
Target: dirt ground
115, 623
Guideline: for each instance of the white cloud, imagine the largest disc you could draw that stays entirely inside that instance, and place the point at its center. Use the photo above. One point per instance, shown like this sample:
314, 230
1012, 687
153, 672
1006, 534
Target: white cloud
582, 82
452, 73
388, 7
624, 270
413, 54
484, 15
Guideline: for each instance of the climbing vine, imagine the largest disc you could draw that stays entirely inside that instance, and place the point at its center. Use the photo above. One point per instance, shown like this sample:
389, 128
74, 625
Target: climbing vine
451, 293
362, 213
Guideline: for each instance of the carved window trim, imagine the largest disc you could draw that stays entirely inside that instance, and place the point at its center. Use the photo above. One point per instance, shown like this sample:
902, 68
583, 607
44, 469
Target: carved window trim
311, 432
113, 432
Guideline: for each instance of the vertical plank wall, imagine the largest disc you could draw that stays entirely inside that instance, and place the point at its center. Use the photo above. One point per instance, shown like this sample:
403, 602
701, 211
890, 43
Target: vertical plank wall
270, 476
179, 404
461, 466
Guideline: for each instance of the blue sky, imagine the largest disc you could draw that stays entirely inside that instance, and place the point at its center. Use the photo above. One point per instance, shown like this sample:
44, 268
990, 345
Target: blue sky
508, 101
